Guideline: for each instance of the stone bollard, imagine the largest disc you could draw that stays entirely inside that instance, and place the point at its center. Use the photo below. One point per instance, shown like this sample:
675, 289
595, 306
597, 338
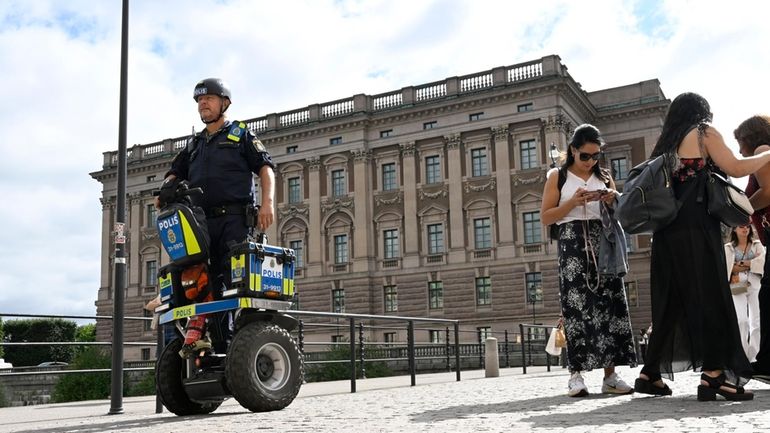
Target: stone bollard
491, 360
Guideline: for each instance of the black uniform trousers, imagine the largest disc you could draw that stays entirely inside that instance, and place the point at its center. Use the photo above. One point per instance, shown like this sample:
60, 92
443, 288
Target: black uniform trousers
762, 366
224, 230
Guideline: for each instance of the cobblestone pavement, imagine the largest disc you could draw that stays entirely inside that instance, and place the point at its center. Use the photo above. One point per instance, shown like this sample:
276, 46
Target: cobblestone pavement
510, 403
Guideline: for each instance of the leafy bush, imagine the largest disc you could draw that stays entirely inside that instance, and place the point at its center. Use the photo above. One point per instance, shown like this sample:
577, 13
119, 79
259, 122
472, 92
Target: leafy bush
341, 370
54, 330
146, 386
85, 386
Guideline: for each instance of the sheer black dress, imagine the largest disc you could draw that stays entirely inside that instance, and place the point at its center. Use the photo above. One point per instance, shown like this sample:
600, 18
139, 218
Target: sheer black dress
694, 325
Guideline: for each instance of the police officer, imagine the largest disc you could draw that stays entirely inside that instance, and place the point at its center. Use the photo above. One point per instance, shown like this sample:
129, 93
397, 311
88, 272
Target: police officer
221, 159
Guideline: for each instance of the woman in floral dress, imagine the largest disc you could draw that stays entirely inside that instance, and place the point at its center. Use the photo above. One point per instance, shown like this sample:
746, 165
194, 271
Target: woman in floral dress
594, 307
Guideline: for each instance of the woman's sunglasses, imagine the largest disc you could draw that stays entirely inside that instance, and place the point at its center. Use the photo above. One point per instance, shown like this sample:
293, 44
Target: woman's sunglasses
587, 156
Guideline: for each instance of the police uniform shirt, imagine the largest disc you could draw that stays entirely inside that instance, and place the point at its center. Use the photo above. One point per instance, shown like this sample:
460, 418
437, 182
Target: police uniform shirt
222, 164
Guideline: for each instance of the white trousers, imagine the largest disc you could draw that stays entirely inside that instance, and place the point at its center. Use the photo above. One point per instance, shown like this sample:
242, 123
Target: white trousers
747, 310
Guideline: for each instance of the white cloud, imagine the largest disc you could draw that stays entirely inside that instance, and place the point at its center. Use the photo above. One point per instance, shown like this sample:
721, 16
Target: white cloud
60, 64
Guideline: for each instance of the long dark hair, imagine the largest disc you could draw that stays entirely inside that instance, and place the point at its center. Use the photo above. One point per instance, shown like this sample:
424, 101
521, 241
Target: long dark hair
586, 133
687, 111
734, 237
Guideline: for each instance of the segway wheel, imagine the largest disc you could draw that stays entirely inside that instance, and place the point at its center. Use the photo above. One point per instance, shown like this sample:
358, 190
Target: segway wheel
264, 369
169, 372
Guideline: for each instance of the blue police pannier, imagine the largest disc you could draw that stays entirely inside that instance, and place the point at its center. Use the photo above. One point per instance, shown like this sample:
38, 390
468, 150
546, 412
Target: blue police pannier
648, 202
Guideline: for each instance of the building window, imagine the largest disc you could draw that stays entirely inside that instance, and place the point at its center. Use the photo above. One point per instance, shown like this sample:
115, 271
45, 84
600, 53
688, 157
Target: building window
152, 215
534, 283
434, 336
294, 193
145, 354
391, 298
148, 320
429, 125
484, 332
390, 242
291, 149
386, 133
151, 273
389, 337
619, 168
338, 339
340, 249
151, 178
297, 247
335, 140
338, 300
632, 294
522, 108
532, 227
479, 162
432, 169
338, 183
483, 291
528, 154
389, 176
475, 116
482, 233
435, 295
435, 239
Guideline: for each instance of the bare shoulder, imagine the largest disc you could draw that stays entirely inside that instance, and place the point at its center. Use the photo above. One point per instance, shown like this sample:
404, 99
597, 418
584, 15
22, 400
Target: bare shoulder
710, 133
761, 148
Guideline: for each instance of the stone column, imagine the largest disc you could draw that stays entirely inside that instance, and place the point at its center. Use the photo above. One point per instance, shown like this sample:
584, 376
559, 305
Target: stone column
505, 225
411, 233
557, 129
134, 240
314, 245
106, 244
363, 241
456, 218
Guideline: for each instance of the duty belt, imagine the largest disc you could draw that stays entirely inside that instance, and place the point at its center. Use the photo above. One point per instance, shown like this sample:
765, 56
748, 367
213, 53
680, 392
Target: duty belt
228, 209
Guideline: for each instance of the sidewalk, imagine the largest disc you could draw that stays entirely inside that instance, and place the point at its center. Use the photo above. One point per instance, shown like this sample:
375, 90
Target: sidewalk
512, 402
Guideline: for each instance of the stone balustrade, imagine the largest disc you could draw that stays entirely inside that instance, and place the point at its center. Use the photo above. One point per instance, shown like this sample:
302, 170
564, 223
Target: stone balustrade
369, 104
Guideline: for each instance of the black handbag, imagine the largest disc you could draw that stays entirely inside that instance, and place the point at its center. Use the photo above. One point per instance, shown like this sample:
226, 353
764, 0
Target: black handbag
648, 202
727, 202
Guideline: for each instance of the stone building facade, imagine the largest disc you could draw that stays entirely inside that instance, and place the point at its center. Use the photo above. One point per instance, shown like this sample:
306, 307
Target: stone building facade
423, 201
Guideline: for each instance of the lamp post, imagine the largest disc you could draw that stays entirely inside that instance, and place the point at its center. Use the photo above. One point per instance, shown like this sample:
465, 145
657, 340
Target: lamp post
554, 154
532, 298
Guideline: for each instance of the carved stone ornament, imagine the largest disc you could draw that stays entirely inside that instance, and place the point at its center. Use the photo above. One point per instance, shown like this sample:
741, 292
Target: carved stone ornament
442, 193
337, 204
361, 155
407, 149
491, 185
452, 141
380, 200
148, 234
292, 211
540, 178
313, 163
558, 123
501, 133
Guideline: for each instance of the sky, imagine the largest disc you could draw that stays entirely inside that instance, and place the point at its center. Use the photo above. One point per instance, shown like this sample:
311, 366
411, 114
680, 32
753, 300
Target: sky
60, 81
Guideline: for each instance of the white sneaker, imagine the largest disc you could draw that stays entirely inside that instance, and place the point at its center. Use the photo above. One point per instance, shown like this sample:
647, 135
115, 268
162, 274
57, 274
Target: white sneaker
577, 388
615, 385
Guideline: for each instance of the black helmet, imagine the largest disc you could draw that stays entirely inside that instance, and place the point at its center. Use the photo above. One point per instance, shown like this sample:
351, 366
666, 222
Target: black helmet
211, 86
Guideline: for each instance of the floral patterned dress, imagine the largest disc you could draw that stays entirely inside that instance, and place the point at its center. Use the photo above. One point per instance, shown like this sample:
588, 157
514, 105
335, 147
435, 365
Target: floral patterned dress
594, 307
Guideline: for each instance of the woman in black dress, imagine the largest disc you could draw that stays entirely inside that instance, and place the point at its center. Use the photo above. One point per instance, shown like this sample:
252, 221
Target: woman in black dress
694, 325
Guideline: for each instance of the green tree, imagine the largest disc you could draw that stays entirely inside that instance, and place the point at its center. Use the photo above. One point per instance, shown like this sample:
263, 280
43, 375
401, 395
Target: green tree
86, 334
53, 330
85, 386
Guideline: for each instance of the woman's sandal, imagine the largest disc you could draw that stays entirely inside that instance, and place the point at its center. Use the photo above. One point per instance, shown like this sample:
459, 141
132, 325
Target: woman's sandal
715, 385
647, 386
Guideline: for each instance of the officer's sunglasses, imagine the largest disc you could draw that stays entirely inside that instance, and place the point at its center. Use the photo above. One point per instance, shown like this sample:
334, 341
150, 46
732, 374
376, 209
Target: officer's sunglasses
587, 156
